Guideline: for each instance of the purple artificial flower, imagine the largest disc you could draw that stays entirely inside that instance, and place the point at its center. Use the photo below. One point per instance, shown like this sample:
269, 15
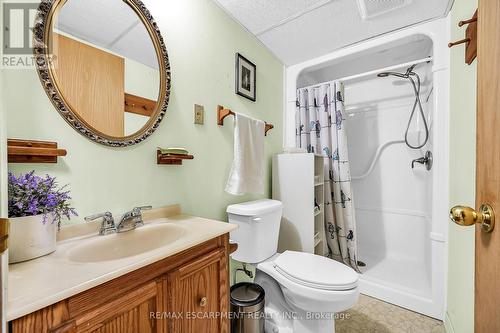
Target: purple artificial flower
30, 195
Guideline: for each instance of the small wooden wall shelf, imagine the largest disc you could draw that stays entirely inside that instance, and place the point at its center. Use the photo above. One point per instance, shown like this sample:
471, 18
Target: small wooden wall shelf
171, 159
470, 39
223, 113
31, 151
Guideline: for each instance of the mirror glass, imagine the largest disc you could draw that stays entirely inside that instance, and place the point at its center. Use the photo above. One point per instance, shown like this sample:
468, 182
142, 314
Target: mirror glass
105, 65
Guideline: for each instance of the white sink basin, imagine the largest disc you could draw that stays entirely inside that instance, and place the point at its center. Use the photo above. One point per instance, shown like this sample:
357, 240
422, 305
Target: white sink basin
126, 244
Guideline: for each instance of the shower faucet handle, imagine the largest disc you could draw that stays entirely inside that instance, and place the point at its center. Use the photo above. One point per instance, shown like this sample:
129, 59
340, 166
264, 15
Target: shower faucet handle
421, 160
427, 160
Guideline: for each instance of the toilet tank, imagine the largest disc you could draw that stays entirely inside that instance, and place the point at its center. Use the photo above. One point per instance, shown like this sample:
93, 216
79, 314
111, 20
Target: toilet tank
259, 225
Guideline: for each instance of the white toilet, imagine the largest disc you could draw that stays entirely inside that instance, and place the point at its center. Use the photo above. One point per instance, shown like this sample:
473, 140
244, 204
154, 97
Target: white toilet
303, 290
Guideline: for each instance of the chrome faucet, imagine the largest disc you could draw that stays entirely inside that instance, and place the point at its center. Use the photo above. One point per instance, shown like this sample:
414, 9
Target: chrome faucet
131, 220
107, 225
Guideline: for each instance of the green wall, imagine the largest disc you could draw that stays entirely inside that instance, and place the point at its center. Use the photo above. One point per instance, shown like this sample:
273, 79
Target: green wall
460, 310
201, 41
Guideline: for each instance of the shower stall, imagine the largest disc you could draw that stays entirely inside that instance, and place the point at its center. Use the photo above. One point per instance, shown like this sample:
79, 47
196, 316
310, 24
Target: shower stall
398, 152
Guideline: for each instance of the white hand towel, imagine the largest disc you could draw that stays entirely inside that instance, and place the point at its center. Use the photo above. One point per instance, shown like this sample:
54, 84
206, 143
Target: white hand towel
247, 171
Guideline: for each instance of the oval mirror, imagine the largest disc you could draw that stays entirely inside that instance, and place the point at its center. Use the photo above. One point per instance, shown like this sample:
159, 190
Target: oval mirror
105, 67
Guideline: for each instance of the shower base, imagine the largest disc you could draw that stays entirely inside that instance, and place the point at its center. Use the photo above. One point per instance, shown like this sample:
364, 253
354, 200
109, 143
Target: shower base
399, 281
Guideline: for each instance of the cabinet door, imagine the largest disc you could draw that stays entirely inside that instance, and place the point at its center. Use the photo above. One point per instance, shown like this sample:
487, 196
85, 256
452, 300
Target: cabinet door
134, 312
198, 295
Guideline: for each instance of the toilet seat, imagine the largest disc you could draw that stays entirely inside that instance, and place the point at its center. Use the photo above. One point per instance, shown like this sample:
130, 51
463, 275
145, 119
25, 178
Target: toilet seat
316, 272
308, 298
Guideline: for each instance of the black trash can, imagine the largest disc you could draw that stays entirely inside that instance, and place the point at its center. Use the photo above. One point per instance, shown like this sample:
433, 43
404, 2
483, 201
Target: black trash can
247, 308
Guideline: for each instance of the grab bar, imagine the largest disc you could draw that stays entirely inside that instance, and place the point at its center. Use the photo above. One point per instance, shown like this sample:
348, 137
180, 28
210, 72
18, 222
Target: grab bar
375, 159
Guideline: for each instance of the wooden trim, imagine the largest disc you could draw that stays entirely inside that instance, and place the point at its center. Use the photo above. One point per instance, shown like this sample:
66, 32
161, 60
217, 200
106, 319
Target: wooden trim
31, 151
224, 287
4, 236
487, 245
139, 105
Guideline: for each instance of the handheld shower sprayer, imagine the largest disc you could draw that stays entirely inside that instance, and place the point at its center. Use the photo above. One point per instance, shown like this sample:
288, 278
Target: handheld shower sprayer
416, 89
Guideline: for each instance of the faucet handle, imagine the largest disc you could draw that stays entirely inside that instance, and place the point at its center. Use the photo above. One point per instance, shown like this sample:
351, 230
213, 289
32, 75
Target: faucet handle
137, 213
141, 208
427, 160
93, 217
107, 225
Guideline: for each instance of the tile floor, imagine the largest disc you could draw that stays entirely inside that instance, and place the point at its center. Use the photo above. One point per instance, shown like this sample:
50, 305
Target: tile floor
371, 315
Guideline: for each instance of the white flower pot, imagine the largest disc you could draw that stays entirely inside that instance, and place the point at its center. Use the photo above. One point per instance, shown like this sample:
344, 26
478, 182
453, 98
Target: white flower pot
30, 238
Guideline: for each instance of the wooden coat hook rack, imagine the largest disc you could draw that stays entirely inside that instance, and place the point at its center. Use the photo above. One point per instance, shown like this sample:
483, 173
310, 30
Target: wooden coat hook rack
470, 39
31, 151
223, 113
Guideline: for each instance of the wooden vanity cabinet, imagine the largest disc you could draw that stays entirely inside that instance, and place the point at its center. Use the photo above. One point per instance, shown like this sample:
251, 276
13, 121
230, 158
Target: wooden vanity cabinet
187, 292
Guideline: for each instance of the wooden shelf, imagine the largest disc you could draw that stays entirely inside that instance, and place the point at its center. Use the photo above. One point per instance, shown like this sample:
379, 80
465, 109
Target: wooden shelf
171, 159
31, 151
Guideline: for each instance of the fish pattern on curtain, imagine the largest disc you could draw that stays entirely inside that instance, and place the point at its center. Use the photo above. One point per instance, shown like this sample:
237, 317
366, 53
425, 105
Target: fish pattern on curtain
320, 129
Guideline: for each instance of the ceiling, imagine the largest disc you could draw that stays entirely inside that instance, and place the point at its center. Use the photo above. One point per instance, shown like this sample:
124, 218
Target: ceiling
299, 30
111, 25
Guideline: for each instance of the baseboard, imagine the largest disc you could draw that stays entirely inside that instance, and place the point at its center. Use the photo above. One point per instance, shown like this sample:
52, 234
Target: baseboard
448, 325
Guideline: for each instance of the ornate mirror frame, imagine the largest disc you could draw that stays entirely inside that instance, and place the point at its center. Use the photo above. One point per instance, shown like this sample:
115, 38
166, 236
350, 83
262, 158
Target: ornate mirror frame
42, 33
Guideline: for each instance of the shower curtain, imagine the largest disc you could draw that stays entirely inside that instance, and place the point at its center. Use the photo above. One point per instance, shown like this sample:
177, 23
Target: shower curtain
320, 130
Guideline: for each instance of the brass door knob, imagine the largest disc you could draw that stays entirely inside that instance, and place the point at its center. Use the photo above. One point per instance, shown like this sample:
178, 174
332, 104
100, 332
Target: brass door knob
467, 216
203, 302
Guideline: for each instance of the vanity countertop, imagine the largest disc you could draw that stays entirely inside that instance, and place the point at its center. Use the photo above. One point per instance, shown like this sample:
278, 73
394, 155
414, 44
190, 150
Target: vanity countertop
35, 284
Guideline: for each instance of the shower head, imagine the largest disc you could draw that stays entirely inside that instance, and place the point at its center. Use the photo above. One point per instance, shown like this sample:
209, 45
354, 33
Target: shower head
386, 74
406, 75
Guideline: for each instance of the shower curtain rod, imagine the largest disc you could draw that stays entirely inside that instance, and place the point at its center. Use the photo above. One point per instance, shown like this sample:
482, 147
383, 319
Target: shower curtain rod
373, 72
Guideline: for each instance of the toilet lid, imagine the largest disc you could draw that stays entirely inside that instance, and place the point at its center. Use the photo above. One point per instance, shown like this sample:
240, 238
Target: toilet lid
315, 271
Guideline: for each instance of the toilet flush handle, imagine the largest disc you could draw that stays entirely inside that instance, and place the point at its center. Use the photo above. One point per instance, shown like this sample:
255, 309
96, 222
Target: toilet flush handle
256, 219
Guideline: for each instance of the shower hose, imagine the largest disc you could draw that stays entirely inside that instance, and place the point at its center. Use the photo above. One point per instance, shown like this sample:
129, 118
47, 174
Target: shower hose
417, 103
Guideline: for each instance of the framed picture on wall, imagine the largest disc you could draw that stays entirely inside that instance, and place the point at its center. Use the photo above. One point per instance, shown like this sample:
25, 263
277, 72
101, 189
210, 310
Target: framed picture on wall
246, 78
